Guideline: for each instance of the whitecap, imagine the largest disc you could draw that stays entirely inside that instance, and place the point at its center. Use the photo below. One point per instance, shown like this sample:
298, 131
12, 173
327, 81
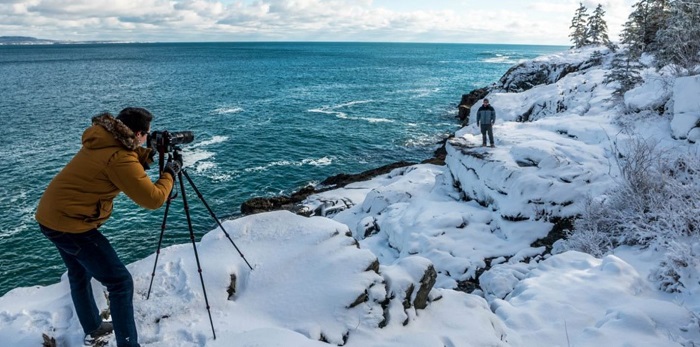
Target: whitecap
204, 166
351, 103
500, 59
421, 93
339, 114
312, 162
193, 157
422, 141
213, 140
378, 120
227, 110
318, 162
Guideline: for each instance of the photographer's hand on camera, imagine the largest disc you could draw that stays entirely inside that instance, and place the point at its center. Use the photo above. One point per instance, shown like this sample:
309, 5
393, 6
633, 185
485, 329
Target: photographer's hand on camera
173, 167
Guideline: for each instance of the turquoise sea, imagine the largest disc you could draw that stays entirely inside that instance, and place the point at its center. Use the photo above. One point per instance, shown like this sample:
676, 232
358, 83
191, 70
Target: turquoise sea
268, 118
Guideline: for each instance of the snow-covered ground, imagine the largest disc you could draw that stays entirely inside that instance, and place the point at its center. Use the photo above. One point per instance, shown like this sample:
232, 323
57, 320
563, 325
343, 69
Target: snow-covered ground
381, 268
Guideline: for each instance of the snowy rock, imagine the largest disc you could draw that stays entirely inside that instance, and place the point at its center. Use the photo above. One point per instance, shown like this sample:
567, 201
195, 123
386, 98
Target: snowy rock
576, 94
623, 308
500, 280
544, 172
686, 108
548, 69
308, 275
653, 94
409, 281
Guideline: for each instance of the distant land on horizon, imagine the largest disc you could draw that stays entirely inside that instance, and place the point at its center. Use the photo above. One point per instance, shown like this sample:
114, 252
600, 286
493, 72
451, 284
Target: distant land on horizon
28, 40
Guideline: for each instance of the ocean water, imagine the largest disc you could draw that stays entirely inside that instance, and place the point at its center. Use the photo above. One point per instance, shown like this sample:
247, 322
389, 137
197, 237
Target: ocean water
268, 118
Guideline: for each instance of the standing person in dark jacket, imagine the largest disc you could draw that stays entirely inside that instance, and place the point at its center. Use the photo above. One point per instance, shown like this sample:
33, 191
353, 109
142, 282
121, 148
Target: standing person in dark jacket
79, 200
485, 117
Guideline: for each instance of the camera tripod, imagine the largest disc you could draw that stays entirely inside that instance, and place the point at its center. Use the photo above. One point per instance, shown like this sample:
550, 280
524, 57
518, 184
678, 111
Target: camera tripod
177, 155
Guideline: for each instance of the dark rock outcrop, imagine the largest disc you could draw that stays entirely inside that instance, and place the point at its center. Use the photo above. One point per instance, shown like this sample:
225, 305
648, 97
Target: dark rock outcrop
468, 100
283, 202
341, 180
527, 75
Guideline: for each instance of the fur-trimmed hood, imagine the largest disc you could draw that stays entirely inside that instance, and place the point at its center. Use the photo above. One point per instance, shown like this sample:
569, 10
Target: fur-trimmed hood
81, 196
96, 137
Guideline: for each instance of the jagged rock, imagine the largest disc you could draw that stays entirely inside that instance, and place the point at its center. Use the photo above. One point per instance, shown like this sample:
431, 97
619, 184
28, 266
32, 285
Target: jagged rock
527, 75
292, 203
367, 227
342, 180
468, 100
48, 341
329, 208
440, 153
402, 279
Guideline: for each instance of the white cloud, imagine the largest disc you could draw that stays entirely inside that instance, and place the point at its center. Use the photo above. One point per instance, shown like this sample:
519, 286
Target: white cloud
542, 22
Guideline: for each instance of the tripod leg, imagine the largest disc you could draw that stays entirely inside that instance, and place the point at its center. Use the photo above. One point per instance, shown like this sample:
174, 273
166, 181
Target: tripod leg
214, 216
194, 245
160, 242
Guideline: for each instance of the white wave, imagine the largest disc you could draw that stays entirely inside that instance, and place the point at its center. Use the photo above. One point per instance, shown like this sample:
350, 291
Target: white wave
343, 115
353, 103
339, 114
204, 166
213, 140
192, 157
500, 59
318, 162
377, 120
421, 93
227, 110
422, 141
312, 162
221, 177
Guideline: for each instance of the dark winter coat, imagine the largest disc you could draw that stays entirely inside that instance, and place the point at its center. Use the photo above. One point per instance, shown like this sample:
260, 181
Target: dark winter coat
80, 197
485, 115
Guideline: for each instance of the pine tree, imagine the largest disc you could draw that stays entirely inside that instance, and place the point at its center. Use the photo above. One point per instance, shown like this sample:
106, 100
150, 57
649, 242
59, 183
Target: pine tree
579, 33
626, 71
598, 28
639, 32
679, 41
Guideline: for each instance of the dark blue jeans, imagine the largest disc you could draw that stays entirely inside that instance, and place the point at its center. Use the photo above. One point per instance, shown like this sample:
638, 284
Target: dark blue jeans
486, 129
89, 255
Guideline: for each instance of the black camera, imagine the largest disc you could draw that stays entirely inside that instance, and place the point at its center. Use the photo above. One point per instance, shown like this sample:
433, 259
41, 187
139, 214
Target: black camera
165, 141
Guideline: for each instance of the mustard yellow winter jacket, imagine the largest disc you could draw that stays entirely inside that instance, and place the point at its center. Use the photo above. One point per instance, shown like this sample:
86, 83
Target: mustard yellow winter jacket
80, 197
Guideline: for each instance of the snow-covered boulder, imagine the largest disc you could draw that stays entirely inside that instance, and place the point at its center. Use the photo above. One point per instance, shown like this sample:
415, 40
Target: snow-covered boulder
409, 283
543, 168
653, 94
577, 298
309, 276
549, 69
686, 108
577, 93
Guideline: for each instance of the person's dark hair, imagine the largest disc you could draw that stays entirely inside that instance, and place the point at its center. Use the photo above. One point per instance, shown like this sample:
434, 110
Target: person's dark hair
136, 118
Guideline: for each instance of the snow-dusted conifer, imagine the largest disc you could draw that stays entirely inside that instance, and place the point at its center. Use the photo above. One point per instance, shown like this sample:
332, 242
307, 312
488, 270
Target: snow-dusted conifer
579, 30
598, 28
639, 32
679, 41
625, 70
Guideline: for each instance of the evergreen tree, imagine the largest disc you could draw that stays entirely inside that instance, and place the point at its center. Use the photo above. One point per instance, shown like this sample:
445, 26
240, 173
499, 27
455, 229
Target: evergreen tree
598, 28
579, 31
626, 71
639, 32
679, 41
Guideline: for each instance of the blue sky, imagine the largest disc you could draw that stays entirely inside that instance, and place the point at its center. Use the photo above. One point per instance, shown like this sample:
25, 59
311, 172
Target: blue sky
455, 21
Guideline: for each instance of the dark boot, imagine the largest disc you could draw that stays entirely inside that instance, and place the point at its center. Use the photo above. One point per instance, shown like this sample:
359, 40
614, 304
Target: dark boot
98, 337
